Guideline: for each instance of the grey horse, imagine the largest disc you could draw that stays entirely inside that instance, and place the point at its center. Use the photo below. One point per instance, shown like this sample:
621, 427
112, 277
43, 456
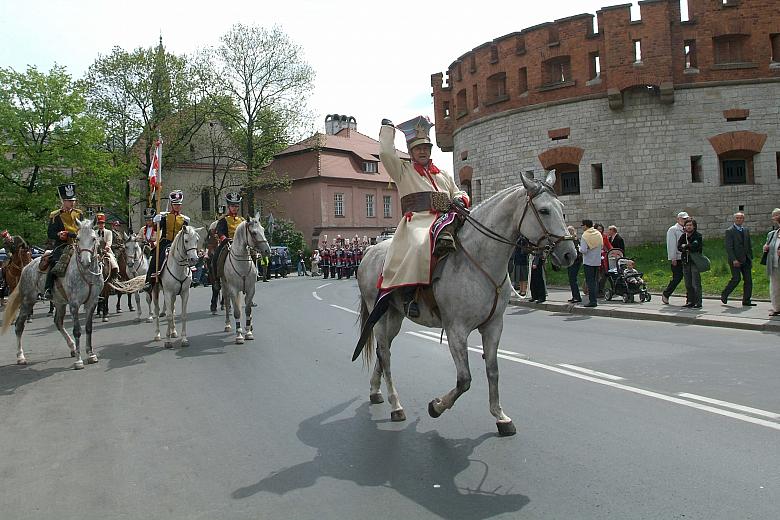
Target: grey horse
175, 278
472, 290
240, 274
80, 287
137, 265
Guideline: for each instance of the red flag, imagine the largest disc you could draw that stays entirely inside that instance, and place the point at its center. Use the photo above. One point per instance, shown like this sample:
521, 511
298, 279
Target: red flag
155, 172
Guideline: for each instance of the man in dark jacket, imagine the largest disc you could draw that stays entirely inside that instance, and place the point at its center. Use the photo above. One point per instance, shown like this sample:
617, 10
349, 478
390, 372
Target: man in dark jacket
615, 239
740, 253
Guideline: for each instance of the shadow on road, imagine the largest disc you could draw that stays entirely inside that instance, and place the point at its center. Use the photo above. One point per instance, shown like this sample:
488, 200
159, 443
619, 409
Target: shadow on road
408, 461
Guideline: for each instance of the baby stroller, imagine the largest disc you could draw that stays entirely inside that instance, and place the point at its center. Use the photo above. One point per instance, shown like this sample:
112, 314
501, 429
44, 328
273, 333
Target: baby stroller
622, 281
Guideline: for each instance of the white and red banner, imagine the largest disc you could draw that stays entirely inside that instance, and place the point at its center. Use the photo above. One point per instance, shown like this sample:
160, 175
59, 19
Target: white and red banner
155, 170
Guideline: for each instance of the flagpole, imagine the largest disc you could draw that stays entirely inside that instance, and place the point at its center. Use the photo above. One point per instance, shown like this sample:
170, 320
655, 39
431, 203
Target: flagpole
158, 191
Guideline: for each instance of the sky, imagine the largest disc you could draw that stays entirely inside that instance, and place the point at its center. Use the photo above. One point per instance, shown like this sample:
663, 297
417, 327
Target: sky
372, 60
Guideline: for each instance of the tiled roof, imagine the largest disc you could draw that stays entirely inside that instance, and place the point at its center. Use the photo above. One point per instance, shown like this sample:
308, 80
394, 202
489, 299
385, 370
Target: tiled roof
345, 140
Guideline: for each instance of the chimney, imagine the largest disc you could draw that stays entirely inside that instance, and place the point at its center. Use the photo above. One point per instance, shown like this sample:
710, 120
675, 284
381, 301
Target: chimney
334, 123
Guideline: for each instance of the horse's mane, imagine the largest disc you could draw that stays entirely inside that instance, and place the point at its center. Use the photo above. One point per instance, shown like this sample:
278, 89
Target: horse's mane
488, 203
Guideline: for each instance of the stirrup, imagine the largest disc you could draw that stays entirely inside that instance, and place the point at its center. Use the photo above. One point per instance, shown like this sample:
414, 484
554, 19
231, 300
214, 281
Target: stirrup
411, 309
47, 295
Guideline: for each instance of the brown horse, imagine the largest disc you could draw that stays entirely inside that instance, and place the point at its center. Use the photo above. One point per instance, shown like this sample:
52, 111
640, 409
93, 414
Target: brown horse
20, 256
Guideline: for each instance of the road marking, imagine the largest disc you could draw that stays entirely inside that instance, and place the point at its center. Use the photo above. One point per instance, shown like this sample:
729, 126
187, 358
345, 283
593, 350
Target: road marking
324, 285
726, 404
621, 386
316, 295
344, 309
427, 336
434, 336
592, 372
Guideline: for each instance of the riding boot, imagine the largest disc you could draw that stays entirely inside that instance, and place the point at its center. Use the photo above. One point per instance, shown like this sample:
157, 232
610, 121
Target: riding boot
47, 294
445, 243
411, 309
148, 285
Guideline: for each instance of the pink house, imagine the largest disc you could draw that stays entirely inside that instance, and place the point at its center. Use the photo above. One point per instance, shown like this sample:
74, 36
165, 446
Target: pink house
339, 187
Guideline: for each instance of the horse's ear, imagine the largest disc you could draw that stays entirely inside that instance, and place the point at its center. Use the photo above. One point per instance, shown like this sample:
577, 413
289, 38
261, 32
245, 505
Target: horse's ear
125, 236
198, 230
79, 223
550, 178
531, 186
257, 216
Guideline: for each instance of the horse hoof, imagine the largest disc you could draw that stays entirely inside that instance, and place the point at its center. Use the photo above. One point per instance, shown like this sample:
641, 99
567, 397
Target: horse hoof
21, 361
72, 353
432, 410
92, 359
249, 336
157, 338
78, 365
149, 319
185, 343
105, 319
119, 311
376, 398
168, 344
174, 334
506, 429
228, 328
239, 340
397, 416
162, 314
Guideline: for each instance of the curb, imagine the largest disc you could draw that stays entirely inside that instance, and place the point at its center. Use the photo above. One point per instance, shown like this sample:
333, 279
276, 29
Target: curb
681, 317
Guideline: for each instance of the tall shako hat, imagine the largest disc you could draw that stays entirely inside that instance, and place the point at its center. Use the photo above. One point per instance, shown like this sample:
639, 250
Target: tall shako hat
100, 217
67, 191
149, 213
176, 197
233, 197
416, 131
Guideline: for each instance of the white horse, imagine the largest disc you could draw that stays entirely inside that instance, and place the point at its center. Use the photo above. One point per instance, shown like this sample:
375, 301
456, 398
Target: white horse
137, 265
80, 287
175, 279
471, 293
240, 274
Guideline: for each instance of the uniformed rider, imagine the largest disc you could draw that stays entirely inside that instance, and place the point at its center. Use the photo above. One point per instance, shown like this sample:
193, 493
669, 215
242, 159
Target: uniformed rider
426, 196
171, 222
62, 230
148, 232
226, 226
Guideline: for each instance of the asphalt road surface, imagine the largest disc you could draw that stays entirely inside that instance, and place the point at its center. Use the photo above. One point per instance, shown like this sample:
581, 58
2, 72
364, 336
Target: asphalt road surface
616, 419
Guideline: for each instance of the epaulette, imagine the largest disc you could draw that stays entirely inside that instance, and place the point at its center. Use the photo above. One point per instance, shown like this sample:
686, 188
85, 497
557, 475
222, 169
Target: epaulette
54, 214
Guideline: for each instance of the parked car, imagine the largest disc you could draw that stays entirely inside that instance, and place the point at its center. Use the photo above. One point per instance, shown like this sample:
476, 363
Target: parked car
275, 264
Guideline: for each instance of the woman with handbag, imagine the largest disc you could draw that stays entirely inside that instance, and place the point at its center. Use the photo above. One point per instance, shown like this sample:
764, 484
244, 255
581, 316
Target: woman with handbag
690, 244
772, 260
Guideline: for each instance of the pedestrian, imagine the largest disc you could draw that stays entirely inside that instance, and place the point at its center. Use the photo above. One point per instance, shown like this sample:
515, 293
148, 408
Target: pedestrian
673, 235
300, 264
772, 250
574, 269
591, 244
315, 263
740, 253
519, 266
616, 240
538, 285
606, 246
690, 243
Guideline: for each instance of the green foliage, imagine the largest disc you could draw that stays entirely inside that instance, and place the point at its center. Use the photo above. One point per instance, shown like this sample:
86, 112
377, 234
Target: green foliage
46, 138
651, 260
285, 234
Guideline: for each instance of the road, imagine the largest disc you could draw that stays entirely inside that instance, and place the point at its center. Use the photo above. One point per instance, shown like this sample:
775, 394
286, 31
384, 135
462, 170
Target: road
616, 419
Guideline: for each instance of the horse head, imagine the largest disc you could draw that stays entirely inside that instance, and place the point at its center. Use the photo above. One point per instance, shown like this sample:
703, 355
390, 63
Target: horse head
190, 238
87, 242
545, 226
256, 234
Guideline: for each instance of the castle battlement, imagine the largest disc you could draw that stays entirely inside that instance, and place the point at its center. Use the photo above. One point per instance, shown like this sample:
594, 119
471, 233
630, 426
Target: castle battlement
723, 41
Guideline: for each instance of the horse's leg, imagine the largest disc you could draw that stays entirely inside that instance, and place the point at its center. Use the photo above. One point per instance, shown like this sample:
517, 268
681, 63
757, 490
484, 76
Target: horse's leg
59, 322
25, 309
226, 296
149, 303
155, 295
171, 333
214, 297
185, 297
137, 306
235, 302
74, 313
491, 334
387, 329
91, 356
248, 299
460, 355
103, 304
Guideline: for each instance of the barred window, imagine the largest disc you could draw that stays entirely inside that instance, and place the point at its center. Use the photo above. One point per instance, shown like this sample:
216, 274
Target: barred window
369, 205
338, 204
388, 206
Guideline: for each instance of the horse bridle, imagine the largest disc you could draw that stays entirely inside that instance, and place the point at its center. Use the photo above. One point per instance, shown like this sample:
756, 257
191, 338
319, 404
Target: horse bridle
552, 240
137, 258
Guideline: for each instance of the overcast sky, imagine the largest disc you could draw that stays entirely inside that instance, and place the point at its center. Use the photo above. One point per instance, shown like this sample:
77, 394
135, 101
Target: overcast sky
372, 59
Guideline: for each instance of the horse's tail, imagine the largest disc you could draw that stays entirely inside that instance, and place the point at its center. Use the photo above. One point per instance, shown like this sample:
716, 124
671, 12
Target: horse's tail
11, 308
368, 349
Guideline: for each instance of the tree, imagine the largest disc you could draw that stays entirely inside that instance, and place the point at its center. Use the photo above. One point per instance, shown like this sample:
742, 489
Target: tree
47, 138
142, 92
263, 72
285, 234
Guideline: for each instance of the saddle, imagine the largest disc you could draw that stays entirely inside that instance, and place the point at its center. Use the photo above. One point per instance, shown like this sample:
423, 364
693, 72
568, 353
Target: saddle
221, 261
43, 265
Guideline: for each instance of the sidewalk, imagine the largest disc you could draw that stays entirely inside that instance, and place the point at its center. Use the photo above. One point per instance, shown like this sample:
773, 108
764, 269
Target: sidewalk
713, 313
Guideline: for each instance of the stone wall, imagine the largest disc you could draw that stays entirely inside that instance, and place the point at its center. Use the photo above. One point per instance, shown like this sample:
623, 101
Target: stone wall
645, 150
